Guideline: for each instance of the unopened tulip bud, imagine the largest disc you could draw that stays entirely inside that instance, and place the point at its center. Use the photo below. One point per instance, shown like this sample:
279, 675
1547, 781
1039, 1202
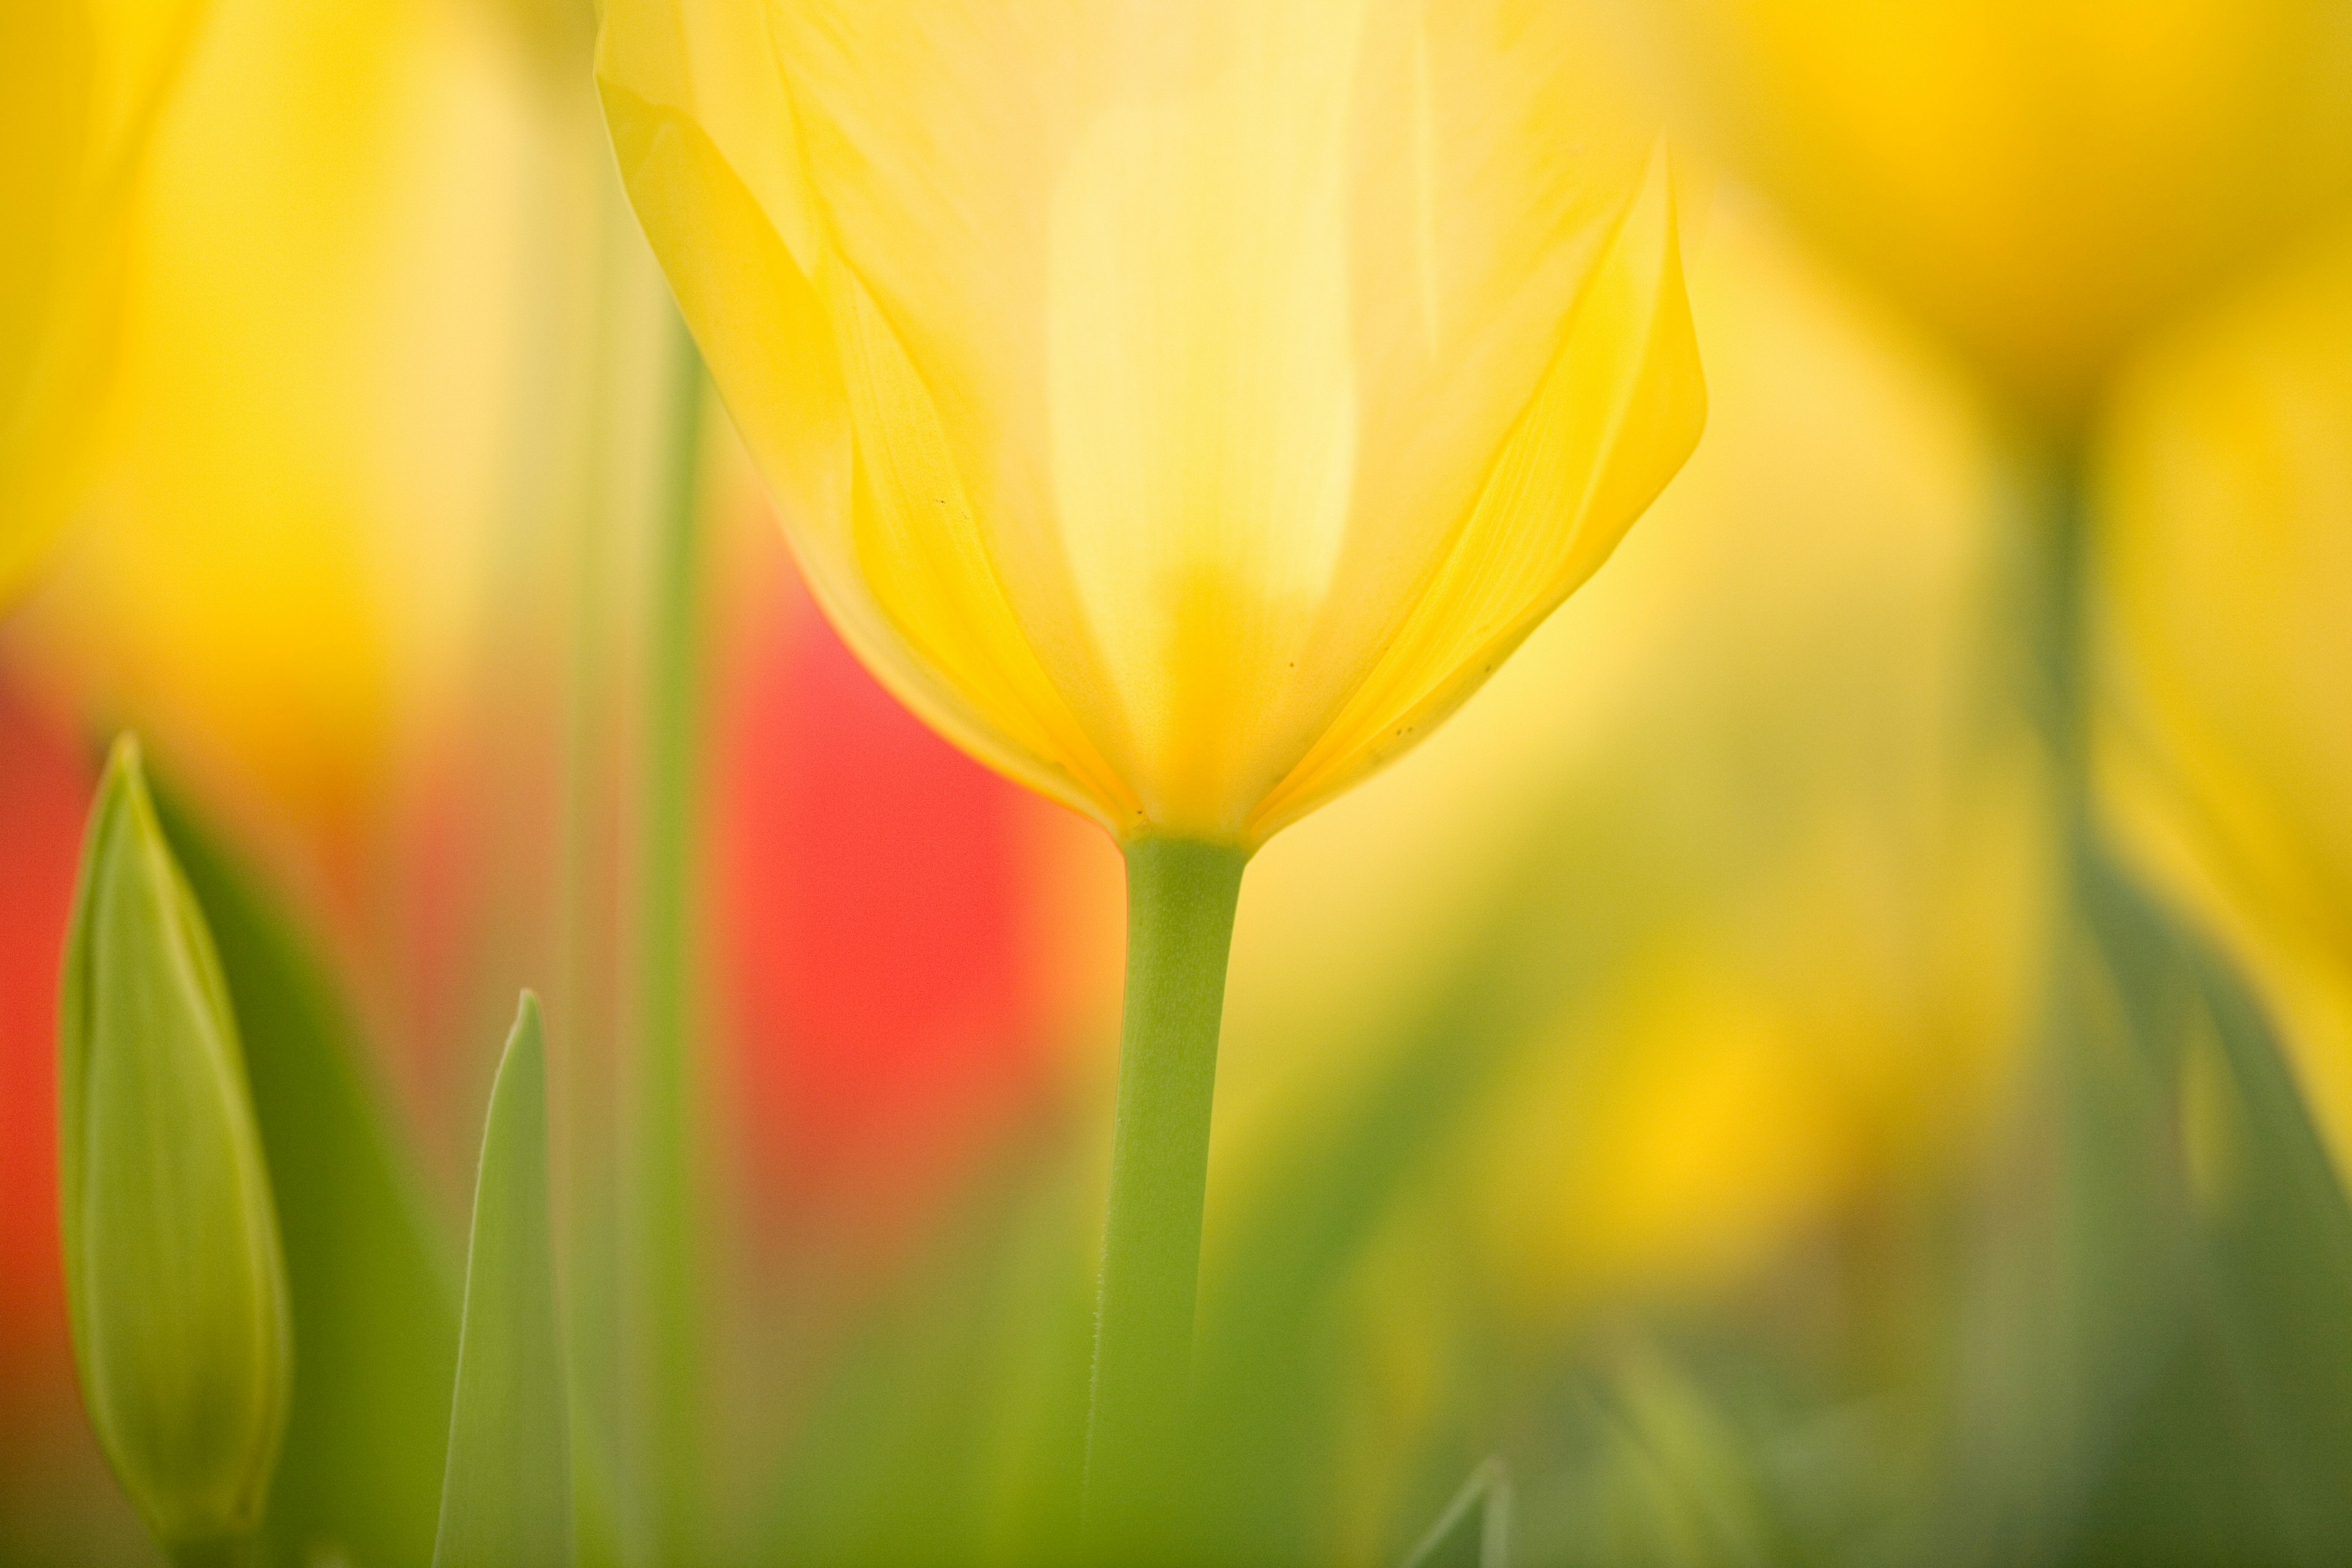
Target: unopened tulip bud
174, 1275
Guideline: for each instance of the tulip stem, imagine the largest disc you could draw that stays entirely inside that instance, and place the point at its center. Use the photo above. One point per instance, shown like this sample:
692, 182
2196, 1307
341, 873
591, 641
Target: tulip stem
1181, 898
2059, 624
666, 1232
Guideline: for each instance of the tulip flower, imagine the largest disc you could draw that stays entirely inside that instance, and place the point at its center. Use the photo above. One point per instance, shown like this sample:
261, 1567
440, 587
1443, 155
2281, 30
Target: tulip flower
2044, 181
2224, 481
44, 795
174, 1280
286, 558
1181, 408
81, 85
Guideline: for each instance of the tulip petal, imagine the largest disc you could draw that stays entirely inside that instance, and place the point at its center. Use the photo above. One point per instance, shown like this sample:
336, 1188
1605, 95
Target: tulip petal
919, 552
81, 83
741, 257
1200, 408
44, 116
1478, 215
711, 67
1615, 416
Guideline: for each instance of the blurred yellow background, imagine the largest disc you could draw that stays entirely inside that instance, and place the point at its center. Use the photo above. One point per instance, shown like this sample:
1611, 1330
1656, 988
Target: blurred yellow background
1747, 859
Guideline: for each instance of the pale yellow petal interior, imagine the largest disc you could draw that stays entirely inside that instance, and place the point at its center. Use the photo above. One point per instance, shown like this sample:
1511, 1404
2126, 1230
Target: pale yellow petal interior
1201, 409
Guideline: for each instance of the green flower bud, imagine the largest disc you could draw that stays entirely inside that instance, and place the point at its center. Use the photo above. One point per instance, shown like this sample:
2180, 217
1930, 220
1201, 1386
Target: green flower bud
174, 1275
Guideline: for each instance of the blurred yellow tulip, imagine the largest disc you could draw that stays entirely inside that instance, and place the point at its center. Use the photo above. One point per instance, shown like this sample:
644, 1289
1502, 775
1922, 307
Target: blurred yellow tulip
293, 531
1753, 819
2044, 180
2225, 508
81, 85
1181, 408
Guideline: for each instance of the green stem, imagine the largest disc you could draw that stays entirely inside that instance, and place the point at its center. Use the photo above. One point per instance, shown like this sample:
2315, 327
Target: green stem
583, 1017
666, 1229
2060, 621
1181, 898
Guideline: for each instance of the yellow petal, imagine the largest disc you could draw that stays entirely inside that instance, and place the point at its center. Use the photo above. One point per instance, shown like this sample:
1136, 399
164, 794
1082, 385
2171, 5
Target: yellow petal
2226, 482
282, 572
745, 262
917, 552
2045, 180
1615, 416
81, 85
1199, 414
44, 119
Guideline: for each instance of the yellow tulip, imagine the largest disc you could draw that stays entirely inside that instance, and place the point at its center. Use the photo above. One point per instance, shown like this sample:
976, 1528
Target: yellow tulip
81, 85
1181, 408
2044, 180
2225, 487
291, 538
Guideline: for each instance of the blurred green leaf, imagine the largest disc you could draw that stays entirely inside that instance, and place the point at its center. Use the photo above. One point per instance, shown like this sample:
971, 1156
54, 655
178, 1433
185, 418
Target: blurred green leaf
2280, 1248
2236, 1448
1474, 1531
953, 1427
2077, 1299
506, 1499
372, 1280
1680, 1484
1272, 1364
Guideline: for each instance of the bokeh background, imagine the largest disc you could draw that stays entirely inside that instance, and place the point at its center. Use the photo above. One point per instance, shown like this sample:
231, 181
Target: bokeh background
1673, 1078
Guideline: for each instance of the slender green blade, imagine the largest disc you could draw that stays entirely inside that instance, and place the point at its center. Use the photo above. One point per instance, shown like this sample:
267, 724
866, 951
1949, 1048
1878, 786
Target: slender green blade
1474, 1531
372, 1280
2261, 1426
2281, 1257
506, 1499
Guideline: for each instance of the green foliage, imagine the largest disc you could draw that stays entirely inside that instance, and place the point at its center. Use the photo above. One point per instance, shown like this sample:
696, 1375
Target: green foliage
505, 1500
2253, 1400
174, 1274
1474, 1531
2120, 1343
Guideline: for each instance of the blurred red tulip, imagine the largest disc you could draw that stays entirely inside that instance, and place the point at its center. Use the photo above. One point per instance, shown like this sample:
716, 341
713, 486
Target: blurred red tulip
868, 901
44, 789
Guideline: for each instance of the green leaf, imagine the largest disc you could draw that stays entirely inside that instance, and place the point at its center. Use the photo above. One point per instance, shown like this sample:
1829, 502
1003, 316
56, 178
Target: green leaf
1475, 1530
174, 1279
2258, 1419
505, 1498
2280, 1256
372, 1280
985, 1402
